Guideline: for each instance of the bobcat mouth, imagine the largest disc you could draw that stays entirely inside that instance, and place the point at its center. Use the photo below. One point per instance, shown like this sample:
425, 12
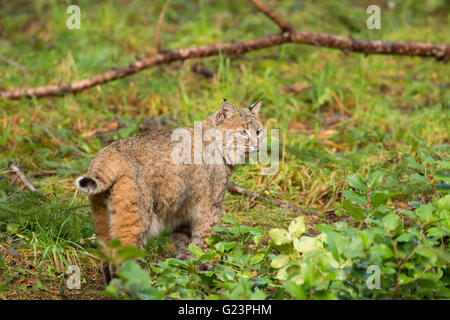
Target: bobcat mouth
251, 149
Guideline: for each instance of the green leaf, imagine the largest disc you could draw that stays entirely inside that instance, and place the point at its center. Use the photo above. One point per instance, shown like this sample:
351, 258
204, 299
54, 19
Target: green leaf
354, 197
115, 243
444, 164
295, 290
129, 252
425, 212
279, 236
444, 176
258, 294
333, 245
228, 245
391, 221
404, 279
382, 251
305, 244
280, 261
413, 164
229, 220
257, 258
297, 226
378, 198
425, 157
177, 262
12, 228
356, 212
375, 179
195, 250
356, 182
428, 253
419, 178
355, 248
437, 232
219, 247
406, 237
225, 274
212, 240
133, 272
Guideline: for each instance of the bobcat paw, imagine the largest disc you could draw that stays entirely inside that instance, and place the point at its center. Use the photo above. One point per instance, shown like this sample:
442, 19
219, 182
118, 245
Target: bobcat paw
108, 272
183, 256
205, 266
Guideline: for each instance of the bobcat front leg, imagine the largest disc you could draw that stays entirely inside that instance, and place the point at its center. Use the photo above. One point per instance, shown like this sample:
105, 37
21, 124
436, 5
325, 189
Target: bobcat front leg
202, 229
182, 236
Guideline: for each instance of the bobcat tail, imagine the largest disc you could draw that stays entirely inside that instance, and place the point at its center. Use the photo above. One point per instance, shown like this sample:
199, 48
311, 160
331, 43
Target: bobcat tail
97, 184
102, 173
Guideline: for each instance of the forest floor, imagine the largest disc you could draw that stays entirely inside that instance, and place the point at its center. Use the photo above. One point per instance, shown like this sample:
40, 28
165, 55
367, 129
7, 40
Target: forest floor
338, 114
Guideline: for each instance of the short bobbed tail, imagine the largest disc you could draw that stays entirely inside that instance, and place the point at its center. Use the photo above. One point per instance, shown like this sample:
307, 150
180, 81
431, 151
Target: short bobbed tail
86, 185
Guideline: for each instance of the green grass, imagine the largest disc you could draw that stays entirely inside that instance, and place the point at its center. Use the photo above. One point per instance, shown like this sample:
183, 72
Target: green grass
356, 114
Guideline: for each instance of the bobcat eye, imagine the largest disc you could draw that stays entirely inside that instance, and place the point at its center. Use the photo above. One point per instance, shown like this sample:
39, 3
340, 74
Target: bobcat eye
259, 132
243, 133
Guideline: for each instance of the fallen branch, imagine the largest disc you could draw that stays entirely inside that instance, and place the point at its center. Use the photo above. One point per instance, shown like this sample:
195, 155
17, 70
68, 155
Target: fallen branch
21, 176
285, 26
239, 190
303, 37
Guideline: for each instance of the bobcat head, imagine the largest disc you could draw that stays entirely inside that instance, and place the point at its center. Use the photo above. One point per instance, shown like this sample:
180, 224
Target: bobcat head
241, 129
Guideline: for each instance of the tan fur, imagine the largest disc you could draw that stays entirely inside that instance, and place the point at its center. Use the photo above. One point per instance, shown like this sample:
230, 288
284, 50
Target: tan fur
137, 190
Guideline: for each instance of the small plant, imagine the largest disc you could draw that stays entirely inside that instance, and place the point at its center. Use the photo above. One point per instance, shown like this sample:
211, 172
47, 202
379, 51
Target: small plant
430, 172
53, 229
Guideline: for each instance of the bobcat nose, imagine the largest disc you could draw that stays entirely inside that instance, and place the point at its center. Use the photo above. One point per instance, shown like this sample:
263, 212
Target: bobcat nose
254, 144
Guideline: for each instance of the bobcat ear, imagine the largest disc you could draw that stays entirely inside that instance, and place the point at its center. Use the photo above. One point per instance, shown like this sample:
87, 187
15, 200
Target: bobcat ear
226, 111
255, 107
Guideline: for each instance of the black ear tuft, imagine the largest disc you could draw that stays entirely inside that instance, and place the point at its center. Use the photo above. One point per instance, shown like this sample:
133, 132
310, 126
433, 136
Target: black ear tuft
254, 108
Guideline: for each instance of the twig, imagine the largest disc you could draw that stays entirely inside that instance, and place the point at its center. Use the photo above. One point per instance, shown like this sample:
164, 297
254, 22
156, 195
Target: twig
203, 71
239, 190
285, 26
44, 174
21, 176
402, 262
158, 27
431, 181
15, 64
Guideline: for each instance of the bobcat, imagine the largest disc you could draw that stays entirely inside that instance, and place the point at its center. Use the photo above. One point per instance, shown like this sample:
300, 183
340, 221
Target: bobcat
136, 189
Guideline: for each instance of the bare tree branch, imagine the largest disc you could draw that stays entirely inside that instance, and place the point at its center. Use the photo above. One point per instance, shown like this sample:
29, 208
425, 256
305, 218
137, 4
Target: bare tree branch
285, 26
158, 27
239, 190
441, 52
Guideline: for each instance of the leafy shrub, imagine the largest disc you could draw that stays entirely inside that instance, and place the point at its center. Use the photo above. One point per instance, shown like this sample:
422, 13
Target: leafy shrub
240, 271
407, 247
